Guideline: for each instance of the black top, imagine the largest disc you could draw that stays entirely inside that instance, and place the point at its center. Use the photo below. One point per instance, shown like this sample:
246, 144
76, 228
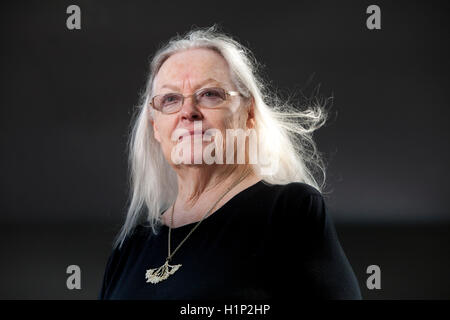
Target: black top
267, 242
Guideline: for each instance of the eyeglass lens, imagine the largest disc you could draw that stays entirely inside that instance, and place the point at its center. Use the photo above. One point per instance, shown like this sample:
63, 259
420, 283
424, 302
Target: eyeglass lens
208, 98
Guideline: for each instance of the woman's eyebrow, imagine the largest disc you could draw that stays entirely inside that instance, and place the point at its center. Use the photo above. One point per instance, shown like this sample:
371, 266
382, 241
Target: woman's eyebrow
173, 87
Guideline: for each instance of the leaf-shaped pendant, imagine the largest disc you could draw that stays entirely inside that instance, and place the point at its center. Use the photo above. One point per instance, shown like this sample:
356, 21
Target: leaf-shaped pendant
161, 273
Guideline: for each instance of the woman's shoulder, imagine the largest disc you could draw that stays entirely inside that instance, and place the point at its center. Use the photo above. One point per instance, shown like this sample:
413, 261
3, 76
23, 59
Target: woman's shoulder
296, 204
301, 189
292, 193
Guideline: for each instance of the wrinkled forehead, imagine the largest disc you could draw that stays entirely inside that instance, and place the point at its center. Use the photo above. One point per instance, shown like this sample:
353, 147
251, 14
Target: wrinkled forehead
190, 69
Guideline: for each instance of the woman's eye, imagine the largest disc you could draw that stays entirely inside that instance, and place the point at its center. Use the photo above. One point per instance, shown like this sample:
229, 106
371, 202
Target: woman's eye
170, 99
211, 94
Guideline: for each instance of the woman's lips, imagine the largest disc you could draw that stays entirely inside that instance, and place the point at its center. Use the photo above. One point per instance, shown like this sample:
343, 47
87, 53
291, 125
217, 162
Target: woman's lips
191, 133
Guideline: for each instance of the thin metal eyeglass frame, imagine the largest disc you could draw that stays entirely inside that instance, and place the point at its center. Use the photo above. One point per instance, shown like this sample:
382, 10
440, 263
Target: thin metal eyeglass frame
227, 93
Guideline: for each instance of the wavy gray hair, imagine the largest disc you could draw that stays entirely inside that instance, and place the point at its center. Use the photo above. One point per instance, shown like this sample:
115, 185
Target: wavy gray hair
284, 133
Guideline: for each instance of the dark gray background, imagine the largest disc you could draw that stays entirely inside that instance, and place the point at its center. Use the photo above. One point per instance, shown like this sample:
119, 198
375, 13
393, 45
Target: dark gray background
67, 99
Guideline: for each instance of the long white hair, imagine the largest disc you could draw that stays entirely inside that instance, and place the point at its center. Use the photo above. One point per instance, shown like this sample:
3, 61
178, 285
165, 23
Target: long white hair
284, 132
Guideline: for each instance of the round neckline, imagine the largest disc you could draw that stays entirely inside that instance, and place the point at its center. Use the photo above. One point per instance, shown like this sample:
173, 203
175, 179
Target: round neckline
223, 207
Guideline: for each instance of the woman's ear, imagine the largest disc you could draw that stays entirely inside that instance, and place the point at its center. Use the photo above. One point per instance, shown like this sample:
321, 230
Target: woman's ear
155, 129
251, 113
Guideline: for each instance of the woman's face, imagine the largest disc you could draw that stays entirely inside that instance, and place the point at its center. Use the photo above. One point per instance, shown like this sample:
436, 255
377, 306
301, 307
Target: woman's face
186, 72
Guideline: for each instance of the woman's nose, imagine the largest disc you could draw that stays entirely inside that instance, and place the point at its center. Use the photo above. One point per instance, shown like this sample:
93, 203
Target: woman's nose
189, 110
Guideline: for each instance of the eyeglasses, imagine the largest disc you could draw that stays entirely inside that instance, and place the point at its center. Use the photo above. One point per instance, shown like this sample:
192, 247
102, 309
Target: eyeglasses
206, 97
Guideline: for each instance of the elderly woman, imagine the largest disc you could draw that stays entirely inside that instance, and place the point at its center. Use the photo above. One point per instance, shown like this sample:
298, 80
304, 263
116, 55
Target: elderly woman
223, 219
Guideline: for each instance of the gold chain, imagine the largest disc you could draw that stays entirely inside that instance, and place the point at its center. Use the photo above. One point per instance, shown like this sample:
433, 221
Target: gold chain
169, 256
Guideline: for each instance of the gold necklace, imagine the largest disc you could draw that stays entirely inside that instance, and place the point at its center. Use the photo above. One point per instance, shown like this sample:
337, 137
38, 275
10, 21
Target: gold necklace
162, 273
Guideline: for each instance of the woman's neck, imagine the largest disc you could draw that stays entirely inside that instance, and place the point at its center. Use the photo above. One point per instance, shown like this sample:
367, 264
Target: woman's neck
196, 194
